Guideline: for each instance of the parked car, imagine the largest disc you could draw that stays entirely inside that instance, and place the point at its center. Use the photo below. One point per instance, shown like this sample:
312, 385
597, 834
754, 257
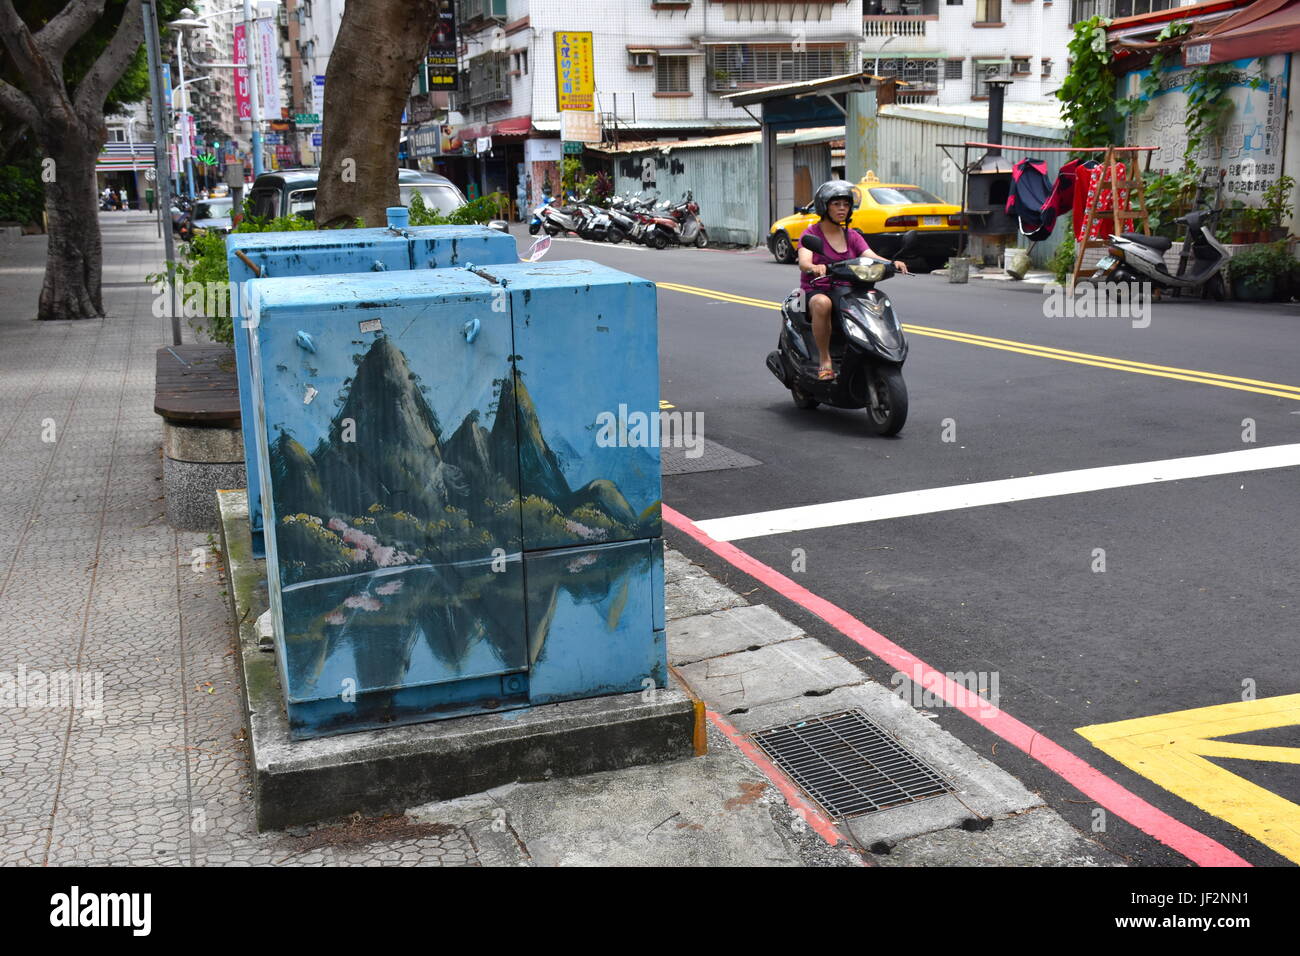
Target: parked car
211, 215
292, 192
885, 214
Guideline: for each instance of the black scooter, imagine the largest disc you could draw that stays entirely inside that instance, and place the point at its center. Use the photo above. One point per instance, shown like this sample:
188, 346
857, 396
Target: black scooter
868, 347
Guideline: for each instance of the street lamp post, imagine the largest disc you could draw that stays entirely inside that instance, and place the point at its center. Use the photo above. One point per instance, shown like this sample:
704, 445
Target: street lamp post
183, 27
189, 21
162, 173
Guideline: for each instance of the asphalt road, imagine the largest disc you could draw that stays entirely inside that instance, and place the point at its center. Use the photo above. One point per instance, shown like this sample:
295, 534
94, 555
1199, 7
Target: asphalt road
1196, 606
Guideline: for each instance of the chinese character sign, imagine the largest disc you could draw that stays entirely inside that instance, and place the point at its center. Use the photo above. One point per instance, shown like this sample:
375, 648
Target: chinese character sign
1249, 147
243, 104
575, 74
268, 50
441, 59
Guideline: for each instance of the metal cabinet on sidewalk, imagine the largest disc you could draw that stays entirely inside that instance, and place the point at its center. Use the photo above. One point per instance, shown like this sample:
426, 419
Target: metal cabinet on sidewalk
462, 489
330, 252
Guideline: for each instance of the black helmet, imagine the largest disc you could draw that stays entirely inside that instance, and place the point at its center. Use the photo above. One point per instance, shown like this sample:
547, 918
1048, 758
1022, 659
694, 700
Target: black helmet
835, 189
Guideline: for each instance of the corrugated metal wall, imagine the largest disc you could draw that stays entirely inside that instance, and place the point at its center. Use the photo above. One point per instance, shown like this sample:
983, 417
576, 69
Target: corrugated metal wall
724, 180
911, 154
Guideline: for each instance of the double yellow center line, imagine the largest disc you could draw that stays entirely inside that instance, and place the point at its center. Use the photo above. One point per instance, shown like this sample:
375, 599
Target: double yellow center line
1040, 351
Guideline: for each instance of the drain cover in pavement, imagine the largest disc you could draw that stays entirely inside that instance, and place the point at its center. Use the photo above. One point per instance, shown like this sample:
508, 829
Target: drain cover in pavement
711, 457
848, 765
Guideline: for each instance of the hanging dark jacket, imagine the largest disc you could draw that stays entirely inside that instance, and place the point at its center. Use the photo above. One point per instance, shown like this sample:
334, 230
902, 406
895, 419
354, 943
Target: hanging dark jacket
1030, 188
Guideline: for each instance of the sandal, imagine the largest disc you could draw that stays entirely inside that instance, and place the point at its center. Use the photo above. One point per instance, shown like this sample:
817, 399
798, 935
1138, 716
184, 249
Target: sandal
826, 375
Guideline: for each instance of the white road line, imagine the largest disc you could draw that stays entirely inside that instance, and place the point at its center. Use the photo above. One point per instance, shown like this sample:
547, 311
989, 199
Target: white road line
931, 500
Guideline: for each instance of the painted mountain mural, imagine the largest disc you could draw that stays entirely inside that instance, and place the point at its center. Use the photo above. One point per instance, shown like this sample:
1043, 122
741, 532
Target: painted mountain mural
387, 487
388, 530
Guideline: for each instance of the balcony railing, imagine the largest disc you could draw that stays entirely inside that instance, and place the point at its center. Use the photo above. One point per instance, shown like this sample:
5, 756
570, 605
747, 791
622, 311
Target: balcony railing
894, 26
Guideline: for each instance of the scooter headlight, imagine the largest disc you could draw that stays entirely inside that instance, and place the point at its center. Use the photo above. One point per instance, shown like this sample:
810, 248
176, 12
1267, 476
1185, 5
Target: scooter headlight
868, 271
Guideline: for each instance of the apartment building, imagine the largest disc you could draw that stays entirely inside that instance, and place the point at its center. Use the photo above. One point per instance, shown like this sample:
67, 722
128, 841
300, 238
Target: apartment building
658, 67
947, 50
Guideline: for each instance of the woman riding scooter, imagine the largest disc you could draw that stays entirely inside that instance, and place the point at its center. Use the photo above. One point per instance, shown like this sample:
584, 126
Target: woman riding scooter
834, 202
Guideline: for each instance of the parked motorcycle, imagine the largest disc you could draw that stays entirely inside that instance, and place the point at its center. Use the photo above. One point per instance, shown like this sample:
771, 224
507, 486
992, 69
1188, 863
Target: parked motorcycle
535, 224
868, 347
1134, 257
692, 232
557, 219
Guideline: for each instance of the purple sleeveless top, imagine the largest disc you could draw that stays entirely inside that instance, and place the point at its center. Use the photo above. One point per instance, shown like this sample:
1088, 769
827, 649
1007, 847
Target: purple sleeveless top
857, 246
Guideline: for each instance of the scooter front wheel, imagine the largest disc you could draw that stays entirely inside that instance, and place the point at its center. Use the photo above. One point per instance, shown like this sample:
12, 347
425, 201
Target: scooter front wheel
887, 401
534, 228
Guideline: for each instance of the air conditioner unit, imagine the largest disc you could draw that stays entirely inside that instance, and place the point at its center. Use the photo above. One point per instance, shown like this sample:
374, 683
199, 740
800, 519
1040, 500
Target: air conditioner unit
994, 70
641, 59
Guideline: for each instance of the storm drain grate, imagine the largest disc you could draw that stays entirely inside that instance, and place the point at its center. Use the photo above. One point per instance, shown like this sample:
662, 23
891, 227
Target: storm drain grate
848, 765
707, 456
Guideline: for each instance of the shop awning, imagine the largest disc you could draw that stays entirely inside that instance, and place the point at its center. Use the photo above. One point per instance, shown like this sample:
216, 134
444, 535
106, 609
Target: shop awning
1262, 29
517, 127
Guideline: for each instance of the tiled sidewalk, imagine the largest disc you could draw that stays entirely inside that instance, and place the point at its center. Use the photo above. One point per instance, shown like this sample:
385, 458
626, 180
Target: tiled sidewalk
93, 581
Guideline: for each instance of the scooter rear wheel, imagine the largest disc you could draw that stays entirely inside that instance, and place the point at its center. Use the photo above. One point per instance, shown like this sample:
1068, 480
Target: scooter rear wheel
660, 241
887, 408
802, 399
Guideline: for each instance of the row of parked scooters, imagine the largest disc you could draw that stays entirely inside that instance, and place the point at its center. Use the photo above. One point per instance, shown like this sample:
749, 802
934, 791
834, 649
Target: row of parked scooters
651, 222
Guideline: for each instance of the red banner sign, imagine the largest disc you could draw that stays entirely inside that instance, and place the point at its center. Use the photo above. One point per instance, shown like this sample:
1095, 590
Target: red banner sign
243, 104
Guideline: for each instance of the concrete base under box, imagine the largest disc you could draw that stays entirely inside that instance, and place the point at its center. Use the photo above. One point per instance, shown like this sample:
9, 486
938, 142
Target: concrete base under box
299, 782
190, 489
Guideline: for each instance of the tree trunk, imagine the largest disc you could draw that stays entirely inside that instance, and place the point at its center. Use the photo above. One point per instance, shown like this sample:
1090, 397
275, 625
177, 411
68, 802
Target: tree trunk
74, 259
379, 47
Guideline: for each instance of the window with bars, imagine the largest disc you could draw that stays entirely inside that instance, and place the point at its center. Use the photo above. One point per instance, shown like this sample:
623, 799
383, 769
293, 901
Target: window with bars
672, 74
984, 70
919, 73
952, 69
988, 11
1114, 9
487, 80
745, 64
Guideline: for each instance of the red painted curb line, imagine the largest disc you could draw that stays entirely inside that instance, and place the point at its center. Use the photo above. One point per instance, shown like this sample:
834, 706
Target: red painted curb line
1191, 843
824, 827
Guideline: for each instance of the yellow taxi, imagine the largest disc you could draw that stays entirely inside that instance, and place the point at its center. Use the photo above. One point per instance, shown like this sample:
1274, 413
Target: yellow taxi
885, 212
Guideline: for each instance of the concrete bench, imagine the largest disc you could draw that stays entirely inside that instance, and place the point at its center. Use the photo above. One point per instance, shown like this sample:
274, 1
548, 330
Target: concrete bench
197, 395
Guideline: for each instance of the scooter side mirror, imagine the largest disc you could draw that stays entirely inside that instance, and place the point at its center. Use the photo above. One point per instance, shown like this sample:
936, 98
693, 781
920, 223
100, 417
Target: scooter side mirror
812, 243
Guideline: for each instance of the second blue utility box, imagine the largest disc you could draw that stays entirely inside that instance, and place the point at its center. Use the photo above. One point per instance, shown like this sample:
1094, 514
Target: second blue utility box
331, 252
462, 489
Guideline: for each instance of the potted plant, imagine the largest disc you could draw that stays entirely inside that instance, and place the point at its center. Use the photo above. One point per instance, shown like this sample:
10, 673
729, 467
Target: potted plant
1260, 274
1276, 201
1226, 228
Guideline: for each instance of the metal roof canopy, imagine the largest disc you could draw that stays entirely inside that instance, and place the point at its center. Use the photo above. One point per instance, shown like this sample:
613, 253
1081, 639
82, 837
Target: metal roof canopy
790, 106
827, 86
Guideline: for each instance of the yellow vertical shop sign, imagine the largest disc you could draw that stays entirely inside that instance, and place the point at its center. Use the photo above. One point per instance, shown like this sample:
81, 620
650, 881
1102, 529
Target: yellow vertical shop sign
575, 71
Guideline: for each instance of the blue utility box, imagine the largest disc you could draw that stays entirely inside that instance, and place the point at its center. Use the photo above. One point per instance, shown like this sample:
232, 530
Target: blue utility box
463, 489
329, 252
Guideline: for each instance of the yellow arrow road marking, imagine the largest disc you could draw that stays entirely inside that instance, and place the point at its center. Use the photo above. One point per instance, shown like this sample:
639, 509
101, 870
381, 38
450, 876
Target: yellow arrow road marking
1172, 750
1238, 383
